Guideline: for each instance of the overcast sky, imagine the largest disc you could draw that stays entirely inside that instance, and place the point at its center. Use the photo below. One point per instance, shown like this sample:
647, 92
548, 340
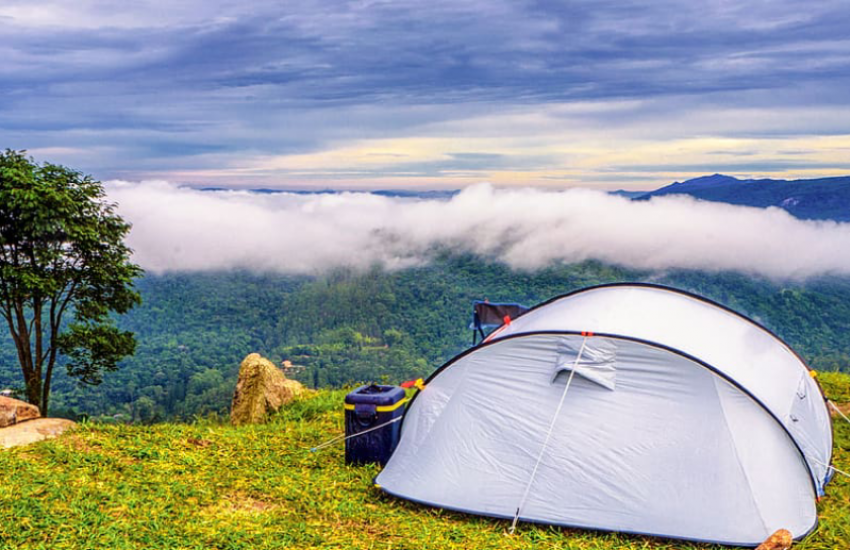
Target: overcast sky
437, 94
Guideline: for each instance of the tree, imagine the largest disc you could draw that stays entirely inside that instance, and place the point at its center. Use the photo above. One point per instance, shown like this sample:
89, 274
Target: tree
64, 269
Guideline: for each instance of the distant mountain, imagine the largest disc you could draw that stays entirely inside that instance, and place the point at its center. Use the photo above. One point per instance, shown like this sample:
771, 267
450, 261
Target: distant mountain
406, 194
265, 191
396, 193
817, 199
628, 194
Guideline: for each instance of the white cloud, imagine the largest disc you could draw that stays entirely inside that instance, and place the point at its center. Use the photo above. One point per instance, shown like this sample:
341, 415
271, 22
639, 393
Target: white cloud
181, 229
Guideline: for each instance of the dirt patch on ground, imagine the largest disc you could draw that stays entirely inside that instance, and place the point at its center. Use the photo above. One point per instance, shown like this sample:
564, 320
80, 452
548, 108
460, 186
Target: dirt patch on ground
238, 503
197, 442
79, 444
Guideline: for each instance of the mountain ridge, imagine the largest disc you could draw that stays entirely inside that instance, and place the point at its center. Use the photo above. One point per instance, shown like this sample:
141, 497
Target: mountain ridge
815, 199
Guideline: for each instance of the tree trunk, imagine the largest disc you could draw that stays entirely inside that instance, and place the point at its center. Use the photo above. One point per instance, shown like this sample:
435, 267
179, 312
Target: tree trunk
32, 376
31, 379
45, 392
34, 392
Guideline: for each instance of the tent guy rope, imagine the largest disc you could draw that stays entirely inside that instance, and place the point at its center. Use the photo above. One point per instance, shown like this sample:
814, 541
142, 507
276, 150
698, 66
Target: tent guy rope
548, 436
839, 411
346, 437
830, 466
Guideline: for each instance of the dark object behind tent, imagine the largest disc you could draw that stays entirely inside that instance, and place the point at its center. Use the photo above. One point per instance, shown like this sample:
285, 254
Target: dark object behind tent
368, 407
486, 315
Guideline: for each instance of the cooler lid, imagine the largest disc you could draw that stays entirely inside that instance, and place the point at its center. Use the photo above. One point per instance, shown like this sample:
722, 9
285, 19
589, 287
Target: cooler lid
374, 394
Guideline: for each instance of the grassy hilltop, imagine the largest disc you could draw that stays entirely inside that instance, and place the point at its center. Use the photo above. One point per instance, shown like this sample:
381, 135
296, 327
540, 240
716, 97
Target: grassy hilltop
209, 485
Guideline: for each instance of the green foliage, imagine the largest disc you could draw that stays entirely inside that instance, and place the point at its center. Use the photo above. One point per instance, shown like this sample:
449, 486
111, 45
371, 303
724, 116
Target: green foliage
94, 348
347, 328
207, 485
61, 253
835, 385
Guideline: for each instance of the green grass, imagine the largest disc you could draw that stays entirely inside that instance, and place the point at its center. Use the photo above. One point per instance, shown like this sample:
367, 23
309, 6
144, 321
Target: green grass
212, 486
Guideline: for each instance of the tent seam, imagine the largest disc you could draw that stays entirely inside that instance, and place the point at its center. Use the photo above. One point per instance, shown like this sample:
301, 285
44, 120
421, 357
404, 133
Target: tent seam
737, 457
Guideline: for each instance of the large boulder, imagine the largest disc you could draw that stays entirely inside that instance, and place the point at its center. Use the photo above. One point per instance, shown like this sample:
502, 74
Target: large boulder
13, 411
262, 388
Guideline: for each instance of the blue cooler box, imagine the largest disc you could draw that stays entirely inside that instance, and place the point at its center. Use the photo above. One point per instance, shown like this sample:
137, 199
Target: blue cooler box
368, 407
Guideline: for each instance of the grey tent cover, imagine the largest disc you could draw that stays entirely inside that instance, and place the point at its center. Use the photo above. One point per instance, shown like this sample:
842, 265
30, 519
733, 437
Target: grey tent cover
682, 419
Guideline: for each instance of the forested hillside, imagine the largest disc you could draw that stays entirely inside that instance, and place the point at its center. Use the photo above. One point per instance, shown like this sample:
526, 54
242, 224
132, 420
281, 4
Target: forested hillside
344, 328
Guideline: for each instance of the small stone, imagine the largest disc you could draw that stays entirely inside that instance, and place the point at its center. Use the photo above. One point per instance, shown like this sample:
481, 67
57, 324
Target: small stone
780, 540
14, 411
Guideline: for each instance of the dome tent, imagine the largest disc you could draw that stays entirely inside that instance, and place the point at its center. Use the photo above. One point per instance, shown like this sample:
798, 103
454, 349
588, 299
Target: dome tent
627, 407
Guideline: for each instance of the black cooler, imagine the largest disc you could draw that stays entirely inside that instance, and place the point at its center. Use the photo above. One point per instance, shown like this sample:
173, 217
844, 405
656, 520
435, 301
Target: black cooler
366, 408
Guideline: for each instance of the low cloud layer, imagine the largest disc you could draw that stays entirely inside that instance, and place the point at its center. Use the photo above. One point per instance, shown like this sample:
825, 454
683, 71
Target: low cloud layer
181, 229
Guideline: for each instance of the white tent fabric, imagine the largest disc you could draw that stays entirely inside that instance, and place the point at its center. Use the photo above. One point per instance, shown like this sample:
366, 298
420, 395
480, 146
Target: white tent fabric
734, 345
649, 439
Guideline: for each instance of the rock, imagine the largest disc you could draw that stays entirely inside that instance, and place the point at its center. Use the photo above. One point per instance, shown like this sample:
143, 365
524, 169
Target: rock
780, 540
13, 411
35, 430
262, 388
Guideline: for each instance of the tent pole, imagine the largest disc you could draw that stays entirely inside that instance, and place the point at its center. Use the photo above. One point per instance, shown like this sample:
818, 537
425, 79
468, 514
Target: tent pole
548, 436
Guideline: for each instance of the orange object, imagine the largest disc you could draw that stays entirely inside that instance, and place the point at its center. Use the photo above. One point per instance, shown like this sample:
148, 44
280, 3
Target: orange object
419, 384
